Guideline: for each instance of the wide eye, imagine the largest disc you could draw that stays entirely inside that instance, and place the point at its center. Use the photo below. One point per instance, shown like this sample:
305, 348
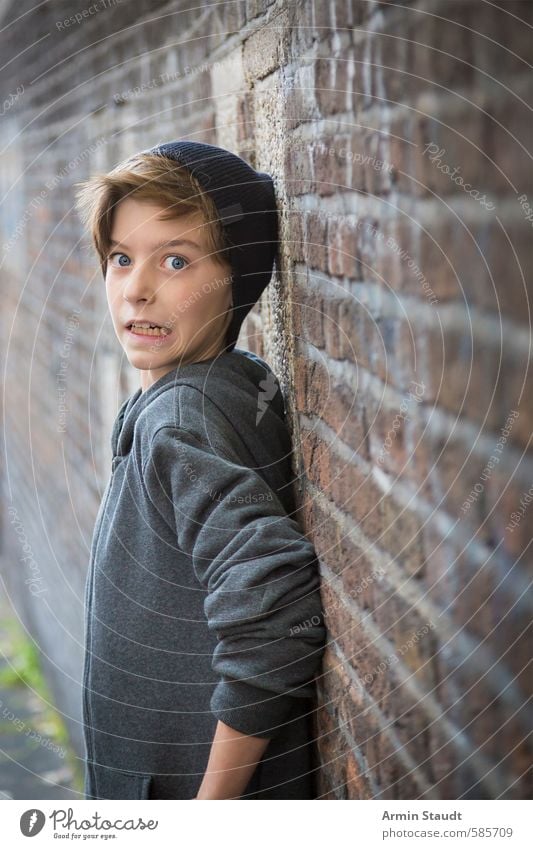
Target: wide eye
119, 262
174, 258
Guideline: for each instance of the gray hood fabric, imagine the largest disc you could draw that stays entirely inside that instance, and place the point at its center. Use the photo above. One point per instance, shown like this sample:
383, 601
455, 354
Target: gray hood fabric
202, 597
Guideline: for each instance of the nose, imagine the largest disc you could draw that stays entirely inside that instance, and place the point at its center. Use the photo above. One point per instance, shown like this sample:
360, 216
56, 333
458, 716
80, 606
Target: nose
138, 285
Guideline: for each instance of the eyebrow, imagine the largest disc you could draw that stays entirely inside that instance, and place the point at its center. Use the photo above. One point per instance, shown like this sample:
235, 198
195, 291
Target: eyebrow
154, 248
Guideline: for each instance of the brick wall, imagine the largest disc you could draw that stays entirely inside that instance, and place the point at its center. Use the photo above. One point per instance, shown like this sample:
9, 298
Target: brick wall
399, 325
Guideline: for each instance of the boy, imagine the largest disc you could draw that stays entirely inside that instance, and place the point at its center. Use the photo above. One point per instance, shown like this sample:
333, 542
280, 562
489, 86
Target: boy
203, 625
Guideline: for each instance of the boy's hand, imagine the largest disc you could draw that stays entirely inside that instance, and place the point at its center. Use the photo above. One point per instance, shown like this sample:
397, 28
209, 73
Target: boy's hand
232, 762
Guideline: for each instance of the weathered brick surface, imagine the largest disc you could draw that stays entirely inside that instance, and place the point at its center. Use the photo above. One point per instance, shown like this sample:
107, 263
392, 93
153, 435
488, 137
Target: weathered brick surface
399, 323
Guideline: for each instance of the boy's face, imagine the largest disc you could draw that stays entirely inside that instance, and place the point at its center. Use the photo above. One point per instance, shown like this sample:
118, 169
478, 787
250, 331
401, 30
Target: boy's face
177, 285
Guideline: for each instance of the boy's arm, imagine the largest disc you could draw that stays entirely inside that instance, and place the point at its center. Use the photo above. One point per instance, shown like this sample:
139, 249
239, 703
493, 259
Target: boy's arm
261, 574
232, 762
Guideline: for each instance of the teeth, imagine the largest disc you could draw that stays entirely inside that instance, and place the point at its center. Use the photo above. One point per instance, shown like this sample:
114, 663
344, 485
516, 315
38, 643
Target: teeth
149, 329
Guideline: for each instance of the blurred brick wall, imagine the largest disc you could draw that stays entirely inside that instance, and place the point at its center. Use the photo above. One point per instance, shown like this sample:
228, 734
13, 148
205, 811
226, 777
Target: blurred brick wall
399, 324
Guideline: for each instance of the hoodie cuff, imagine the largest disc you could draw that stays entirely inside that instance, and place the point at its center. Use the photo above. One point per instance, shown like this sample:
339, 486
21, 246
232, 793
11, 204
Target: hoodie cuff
254, 711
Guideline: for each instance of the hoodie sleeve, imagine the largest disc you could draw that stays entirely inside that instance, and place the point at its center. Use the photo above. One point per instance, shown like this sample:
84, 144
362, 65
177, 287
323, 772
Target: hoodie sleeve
261, 576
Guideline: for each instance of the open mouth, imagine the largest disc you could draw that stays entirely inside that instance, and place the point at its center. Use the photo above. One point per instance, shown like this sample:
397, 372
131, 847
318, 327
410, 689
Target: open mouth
147, 328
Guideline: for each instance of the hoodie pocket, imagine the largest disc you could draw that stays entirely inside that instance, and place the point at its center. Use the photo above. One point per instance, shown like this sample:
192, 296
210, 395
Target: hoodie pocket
102, 782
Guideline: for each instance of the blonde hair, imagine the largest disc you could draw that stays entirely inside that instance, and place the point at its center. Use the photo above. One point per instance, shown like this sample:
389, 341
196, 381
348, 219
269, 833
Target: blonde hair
152, 178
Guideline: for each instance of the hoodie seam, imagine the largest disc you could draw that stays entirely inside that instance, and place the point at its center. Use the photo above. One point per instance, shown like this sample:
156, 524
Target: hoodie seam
203, 445
217, 445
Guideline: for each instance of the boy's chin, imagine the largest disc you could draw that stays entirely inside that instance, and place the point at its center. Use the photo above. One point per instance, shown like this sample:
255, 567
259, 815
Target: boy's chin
144, 360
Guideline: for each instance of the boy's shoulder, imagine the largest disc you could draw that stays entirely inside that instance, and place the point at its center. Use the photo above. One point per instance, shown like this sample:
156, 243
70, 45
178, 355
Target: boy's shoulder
227, 405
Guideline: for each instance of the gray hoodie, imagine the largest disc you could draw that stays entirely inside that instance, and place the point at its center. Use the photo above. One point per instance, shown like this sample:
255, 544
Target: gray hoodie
202, 597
